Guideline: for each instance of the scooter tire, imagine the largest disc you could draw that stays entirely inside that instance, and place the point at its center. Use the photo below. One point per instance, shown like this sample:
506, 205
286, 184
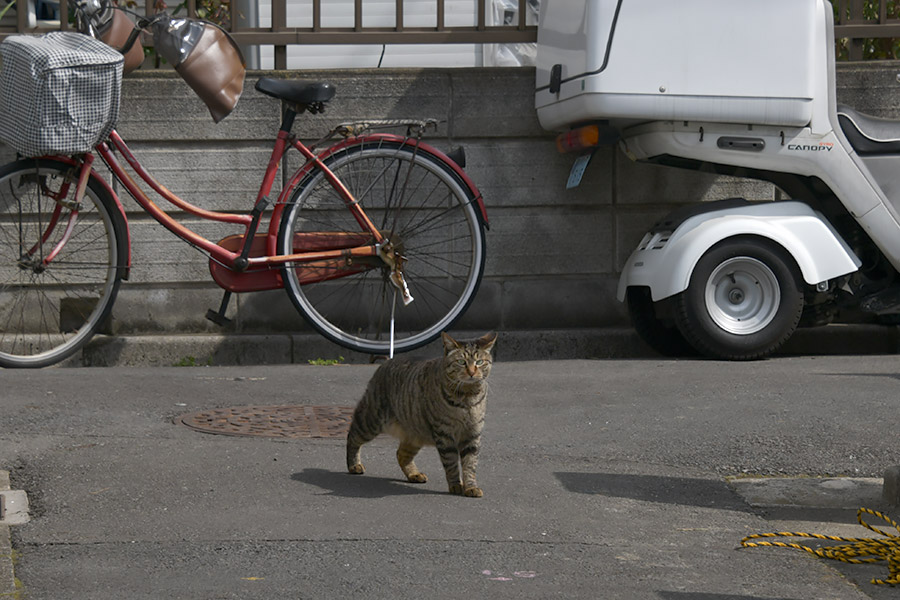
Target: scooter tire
743, 302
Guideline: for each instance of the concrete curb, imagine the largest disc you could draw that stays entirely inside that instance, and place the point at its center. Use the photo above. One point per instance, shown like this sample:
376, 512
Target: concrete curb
250, 349
8, 584
538, 344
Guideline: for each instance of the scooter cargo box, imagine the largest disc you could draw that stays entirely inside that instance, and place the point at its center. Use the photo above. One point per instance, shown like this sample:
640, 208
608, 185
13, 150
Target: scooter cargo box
628, 61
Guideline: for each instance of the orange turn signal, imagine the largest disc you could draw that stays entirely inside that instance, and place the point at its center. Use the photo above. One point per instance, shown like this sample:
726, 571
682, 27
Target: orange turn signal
582, 138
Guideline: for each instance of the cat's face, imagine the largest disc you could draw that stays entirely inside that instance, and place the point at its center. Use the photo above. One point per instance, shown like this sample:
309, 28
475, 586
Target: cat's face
468, 362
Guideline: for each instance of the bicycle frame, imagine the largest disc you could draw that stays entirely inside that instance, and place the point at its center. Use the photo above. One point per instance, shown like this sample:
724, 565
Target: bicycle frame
366, 244
249, 261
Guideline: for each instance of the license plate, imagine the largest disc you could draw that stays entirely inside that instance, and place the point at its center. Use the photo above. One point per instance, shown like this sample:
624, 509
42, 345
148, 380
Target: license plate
578, 170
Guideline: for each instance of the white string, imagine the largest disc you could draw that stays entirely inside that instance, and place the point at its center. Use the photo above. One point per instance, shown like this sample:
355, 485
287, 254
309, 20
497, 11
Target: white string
393, 307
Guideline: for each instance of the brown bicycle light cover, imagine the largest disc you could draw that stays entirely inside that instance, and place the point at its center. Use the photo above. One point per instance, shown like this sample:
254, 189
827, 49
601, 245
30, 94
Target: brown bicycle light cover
207, 58
116, 30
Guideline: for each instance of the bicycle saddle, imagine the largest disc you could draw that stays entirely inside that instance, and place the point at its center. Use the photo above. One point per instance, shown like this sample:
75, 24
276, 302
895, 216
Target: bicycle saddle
867, 134
296, 91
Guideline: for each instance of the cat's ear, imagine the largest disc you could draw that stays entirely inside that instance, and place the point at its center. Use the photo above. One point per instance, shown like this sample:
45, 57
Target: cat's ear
449, 342
486, 342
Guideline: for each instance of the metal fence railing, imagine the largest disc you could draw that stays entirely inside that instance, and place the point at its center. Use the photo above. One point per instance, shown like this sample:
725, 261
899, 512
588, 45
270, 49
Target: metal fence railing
865, 29
281, 35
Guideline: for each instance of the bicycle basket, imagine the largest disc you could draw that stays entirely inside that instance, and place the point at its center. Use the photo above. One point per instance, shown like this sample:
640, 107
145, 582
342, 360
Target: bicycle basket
207, 58
59, 93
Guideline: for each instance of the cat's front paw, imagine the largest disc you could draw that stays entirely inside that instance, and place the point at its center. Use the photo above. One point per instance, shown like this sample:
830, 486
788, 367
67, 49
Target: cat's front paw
417, 478
473, 492
456, 488
357, 469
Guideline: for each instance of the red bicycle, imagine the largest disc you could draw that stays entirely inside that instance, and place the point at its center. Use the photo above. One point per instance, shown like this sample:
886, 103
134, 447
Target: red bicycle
378, 238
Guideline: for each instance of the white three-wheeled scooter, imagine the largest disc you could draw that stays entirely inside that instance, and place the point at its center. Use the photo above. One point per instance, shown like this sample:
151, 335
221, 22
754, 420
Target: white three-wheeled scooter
746, 89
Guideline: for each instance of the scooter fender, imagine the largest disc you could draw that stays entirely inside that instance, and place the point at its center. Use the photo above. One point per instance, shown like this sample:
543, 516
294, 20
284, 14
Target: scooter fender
665, 260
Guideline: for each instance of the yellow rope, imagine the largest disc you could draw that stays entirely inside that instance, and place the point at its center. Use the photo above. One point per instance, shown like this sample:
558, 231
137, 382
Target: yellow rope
872, 549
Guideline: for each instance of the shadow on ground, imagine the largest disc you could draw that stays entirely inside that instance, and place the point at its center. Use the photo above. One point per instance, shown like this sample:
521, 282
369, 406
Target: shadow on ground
346, 485
707, 493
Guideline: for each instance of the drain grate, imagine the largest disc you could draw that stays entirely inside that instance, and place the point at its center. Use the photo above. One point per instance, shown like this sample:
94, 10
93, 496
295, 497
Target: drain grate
273, 421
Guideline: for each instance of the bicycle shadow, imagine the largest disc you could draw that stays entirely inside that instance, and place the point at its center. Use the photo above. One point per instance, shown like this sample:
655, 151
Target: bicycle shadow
346, 485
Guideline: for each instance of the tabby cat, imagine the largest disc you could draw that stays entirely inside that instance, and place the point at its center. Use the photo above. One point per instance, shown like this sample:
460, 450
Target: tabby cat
439, 402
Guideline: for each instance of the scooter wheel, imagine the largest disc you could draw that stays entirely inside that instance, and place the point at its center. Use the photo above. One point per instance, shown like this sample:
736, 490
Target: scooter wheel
743, 302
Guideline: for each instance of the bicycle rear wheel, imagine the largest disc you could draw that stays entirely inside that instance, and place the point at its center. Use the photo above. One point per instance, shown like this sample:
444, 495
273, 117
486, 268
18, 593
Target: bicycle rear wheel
429, 216
51, 304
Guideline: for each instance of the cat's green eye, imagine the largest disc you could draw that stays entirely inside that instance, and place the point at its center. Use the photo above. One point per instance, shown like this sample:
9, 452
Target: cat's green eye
461, 362
479, 363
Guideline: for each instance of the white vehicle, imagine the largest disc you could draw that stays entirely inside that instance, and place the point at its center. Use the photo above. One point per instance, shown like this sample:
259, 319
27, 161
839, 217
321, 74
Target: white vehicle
746, 89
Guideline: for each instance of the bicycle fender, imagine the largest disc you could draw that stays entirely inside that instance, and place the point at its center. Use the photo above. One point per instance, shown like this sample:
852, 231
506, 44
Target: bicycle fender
97, 178
423, 147
665, 260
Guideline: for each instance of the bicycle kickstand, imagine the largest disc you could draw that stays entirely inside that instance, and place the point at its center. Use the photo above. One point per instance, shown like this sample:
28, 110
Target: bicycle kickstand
219, 317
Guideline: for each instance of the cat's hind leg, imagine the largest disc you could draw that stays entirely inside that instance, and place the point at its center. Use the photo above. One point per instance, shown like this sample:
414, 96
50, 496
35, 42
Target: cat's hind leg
361, 431
405, 455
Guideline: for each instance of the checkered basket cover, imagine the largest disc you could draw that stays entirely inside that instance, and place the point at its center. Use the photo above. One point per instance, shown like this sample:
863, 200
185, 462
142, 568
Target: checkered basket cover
59, 93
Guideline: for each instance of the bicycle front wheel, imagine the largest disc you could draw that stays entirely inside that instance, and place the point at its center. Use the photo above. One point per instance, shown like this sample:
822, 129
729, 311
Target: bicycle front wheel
419, 204
59, 262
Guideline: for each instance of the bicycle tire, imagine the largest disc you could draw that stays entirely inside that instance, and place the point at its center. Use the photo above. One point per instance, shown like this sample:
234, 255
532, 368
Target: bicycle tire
437, 229
50, 309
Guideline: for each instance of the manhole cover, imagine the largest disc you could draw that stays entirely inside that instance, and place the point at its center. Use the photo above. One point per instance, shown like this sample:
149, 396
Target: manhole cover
273, 421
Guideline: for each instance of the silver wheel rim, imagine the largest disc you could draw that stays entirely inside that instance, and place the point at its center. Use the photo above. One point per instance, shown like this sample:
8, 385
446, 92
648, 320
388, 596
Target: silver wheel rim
742, 295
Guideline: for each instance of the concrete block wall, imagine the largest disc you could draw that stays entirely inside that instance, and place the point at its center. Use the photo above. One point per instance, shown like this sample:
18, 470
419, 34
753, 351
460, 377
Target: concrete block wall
553, 255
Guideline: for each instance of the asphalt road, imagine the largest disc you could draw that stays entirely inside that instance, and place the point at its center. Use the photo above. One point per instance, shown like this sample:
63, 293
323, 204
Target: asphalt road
602, 479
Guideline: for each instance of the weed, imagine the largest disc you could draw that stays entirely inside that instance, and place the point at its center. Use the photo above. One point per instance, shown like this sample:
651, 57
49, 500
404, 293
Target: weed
191, 361
326, 362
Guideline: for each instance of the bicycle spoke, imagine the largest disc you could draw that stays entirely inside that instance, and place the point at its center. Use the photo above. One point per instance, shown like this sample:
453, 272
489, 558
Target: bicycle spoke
434, 224
438, 265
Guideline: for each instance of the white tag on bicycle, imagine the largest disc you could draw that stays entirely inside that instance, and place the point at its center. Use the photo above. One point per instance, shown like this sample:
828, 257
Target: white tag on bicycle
578, 170
400, 284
